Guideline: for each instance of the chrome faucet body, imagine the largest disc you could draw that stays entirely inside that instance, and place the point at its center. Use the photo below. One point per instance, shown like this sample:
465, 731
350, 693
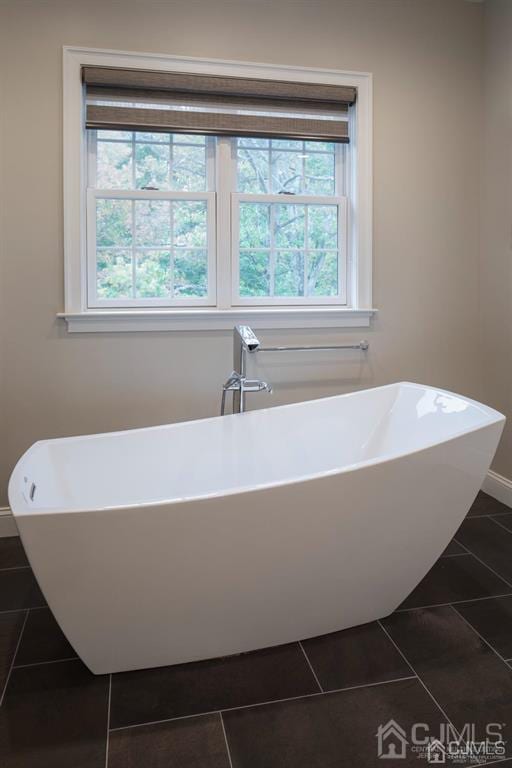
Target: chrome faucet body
244, 342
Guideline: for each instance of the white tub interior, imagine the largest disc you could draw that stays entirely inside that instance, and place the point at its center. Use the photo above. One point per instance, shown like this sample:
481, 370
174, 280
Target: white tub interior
219, 455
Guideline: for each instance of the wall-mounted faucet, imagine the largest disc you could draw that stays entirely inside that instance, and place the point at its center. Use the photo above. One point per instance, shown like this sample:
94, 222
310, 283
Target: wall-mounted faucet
244, 342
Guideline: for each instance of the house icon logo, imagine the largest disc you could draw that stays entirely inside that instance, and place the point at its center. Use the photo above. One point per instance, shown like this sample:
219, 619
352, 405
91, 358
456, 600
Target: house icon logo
391, 741
436, 752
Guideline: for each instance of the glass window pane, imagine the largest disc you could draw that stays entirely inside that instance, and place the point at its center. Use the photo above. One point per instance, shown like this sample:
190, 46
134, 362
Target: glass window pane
113, 222
253, 171
320, 146
254, 273
323, 273
190, 223
281, 144
190, 273
159, 138
244, 141
153, 223
320, 178
153, 274
323, 226
114, 274
189, 168
289, 274
113, 165
287, 170
152, 163
254, 225
289, 221
189, 138
114, 135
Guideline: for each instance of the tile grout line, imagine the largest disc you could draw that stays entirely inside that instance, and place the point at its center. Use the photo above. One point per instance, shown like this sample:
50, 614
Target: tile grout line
466, 550
13, 659
482, 638
419, 679
501, 525
311, 666
262, 703
456, 554
15, 568
473, 517
226, 740
482, 562
108, 718
42, 663
23, 608
453, 602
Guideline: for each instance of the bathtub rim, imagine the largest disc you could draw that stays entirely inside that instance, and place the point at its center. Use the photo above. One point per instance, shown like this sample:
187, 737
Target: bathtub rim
20, 507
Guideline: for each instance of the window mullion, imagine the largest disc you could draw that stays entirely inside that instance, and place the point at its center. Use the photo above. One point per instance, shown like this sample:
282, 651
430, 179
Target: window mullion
226, 260
134, 252
306, 250
134, 174
172, 248
272, 254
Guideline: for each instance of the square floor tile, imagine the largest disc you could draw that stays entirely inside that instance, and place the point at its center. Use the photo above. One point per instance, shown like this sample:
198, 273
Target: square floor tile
19, 589
207, 686
11, 625
486, 505
490, 542
12, 554
493, 620
191, 742
331, 730
356, 656
453, 579
54, 716
42, 639
467, 679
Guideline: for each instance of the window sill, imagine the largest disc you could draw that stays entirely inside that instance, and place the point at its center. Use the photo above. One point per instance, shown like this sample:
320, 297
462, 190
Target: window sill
107, 321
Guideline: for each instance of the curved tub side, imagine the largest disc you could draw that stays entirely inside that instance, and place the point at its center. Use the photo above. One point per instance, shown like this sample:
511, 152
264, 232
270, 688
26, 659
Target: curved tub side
135, 588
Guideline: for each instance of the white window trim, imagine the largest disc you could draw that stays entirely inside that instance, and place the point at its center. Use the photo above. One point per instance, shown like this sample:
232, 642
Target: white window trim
359, 188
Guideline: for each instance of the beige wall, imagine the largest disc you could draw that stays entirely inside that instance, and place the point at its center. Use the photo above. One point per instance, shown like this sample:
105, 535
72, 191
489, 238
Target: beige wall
426, 60
496, 230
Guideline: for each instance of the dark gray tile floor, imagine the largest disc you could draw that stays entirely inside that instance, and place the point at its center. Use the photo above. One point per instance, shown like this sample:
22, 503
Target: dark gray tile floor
442, 657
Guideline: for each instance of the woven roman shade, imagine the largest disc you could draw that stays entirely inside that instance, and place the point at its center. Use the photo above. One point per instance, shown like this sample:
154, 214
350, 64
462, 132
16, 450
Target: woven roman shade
141, 100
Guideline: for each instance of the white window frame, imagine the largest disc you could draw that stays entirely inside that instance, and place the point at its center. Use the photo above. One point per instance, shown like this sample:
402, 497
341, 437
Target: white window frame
94, 193
240, 301
219, 312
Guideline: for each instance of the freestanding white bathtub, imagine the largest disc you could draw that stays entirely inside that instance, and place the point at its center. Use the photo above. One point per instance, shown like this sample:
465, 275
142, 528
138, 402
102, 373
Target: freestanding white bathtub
206, 538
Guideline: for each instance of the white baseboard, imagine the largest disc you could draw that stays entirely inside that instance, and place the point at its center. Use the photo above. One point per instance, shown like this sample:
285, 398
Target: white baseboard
498, 487
7, 523
495, 485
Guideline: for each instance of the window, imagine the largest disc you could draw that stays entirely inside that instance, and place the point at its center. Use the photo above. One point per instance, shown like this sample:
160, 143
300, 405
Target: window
207, 225
288, 223
151, 214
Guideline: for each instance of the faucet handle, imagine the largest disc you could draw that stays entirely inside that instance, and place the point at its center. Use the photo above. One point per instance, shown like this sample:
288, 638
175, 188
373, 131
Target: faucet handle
255, 385
233, 382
